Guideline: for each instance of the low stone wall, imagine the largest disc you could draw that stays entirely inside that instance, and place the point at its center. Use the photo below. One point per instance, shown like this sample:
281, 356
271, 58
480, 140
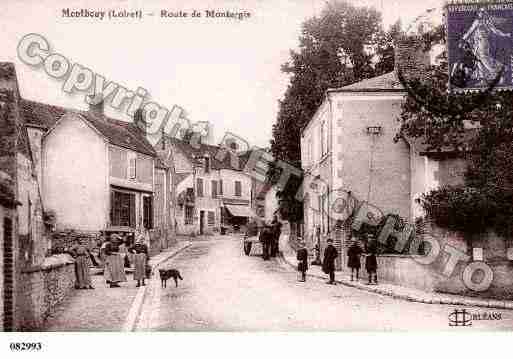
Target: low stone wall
408, 271
404, 270
65, 239
41, 288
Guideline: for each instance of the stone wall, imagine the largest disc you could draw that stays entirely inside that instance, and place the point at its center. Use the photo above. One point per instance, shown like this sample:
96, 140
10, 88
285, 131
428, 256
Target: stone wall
65, 239
41, 288
437, 276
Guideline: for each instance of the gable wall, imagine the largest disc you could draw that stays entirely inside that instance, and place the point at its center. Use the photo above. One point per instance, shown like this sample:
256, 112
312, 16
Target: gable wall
75, 175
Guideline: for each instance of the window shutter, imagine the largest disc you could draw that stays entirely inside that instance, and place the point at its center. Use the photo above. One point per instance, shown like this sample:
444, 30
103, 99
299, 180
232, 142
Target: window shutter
112, 206
214, 189
147, 213
221, 187
211, 218
150, 212
199, 187
131, 202
207, 164
238, 189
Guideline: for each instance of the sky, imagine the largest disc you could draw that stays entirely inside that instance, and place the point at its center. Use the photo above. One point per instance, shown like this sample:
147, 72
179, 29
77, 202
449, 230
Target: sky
223, 71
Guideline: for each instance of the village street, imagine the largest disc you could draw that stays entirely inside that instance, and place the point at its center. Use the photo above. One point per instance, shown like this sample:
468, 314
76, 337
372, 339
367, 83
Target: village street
226, 290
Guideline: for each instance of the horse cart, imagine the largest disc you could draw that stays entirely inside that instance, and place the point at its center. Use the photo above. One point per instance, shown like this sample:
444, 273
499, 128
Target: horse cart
251, 242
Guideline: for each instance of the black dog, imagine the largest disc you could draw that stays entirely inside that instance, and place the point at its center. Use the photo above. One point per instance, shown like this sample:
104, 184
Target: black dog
165, 274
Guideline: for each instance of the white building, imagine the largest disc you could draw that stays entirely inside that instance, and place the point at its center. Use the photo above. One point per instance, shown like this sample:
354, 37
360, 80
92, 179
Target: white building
209, 193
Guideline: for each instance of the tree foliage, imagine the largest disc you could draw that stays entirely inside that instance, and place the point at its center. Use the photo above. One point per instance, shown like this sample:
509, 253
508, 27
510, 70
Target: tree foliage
342, 45
442, 120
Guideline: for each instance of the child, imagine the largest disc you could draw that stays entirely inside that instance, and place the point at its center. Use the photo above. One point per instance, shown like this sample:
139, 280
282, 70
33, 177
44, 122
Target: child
302, 257
353, 258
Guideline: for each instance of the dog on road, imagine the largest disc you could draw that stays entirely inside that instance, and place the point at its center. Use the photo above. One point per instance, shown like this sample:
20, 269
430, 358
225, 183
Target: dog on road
165, 274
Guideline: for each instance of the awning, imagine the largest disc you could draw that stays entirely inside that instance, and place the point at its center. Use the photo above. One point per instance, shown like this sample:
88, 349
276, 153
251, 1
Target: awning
240, 211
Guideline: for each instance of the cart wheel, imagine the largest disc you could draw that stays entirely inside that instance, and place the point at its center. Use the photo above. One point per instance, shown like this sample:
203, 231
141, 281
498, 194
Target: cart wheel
247, 248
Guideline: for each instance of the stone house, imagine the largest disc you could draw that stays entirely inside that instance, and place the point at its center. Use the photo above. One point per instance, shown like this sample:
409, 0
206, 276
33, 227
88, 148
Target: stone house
114, 183
209, 193
350, 158
349, 146
31, 281
254, 162
63, 170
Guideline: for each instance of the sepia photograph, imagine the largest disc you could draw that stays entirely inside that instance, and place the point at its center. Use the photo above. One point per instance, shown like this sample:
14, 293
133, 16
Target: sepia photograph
291, 166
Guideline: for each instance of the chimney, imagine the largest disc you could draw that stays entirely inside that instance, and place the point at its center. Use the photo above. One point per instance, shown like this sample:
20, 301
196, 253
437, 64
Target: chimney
139, 120
411, 59
10, 123
95, 102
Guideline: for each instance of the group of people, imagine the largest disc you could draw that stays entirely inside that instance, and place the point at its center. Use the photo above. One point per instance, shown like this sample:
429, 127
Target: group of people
270, 237
371, 264
354, 254
114, 253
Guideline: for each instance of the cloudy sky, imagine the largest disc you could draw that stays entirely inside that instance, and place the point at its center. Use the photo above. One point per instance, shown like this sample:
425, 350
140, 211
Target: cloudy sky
223, 71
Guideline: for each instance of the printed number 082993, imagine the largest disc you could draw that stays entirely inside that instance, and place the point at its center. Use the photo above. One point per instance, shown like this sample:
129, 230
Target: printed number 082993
26, 346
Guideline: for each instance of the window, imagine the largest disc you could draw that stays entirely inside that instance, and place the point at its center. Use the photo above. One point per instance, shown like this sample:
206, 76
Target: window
199, 187
214, 189
308, 152
132, 165
8, 277
221, 187
324, 139
189, 214
211, 218
122, 209
207, 164
238, 189
148, 212
189, 195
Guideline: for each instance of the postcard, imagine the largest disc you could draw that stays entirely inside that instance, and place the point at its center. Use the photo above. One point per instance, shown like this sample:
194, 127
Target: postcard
255, 166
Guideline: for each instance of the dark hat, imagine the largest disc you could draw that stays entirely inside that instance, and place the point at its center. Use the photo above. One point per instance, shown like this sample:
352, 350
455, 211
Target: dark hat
330, 240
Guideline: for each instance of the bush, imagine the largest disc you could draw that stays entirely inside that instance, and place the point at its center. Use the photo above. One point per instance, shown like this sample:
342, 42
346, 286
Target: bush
465, 209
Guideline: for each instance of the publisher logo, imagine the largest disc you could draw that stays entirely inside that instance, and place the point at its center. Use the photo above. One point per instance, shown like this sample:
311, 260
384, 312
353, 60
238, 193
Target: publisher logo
460, 318
464, 318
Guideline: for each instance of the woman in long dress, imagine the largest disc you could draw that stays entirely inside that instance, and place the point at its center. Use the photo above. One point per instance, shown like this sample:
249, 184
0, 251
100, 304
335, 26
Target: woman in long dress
114, 272
82, 274
140, 251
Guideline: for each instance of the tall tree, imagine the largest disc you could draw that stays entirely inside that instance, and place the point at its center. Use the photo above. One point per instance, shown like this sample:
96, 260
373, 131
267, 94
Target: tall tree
342, 45
336, 48
442, 119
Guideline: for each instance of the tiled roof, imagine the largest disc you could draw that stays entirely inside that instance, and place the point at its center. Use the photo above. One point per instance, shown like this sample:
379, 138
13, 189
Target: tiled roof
200, 150
386, 82
120, 133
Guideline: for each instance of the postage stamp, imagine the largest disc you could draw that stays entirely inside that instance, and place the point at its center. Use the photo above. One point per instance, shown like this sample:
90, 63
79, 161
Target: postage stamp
479, 45
253, 166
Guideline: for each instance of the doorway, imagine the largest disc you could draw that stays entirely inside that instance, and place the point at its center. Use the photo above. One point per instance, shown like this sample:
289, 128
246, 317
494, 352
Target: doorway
202, 222
8, 277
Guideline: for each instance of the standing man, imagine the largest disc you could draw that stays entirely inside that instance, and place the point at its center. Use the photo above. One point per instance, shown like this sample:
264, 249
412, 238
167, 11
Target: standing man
276, 231
353, 258
265, 238
328, 265
302, 257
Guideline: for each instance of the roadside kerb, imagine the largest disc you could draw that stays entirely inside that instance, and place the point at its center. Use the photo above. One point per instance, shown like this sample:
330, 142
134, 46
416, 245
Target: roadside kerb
154, 262
426, 298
